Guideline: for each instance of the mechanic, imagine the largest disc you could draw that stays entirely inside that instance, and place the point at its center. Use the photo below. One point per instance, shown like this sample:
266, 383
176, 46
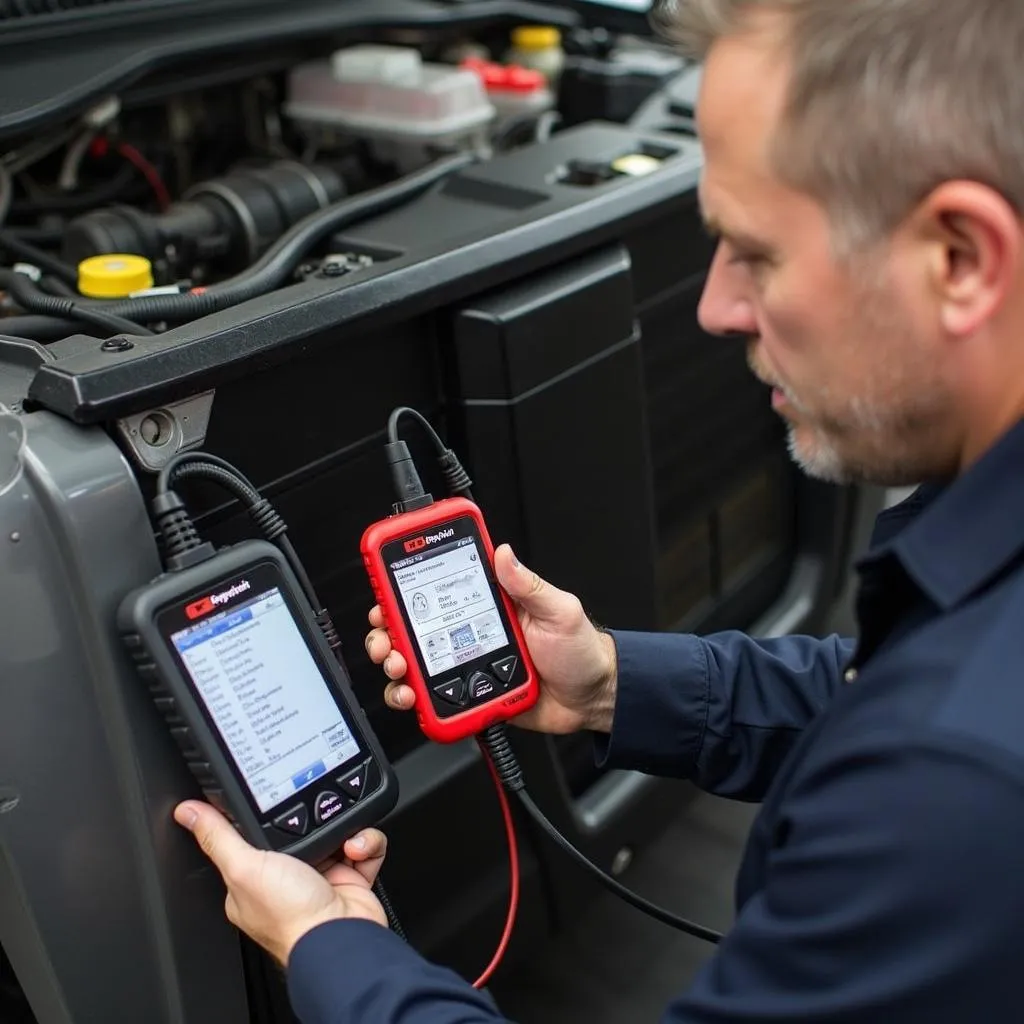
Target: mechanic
865, 177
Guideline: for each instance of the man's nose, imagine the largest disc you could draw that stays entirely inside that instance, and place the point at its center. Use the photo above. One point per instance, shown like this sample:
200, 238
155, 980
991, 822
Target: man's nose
724, 309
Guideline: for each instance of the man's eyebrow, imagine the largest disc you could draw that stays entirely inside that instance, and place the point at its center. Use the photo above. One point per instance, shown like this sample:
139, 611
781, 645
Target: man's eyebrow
737, 239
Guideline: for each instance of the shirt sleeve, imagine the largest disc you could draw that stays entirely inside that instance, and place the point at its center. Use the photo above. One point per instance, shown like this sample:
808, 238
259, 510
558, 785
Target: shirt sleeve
723, 710
357, 972
894, 893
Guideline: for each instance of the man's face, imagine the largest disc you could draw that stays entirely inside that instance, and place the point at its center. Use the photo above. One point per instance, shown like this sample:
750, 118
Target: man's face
851, 348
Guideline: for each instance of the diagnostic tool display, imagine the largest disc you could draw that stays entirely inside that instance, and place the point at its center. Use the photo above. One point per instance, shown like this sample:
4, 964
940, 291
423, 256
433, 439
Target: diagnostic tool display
450, 604
432, 574
258, 704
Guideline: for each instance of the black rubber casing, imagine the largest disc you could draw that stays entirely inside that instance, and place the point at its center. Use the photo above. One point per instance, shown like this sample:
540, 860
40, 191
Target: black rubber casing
204, 751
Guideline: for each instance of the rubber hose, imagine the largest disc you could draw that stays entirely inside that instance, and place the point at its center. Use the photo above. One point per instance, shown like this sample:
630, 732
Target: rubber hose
29, 297
31, 254
275, 266
42, 328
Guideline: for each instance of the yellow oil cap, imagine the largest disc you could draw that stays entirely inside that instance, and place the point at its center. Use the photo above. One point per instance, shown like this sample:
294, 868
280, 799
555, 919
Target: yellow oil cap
114, 275
636, 164
536, 37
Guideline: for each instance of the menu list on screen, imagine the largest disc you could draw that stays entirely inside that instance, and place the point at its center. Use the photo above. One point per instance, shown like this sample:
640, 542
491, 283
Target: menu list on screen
266, 696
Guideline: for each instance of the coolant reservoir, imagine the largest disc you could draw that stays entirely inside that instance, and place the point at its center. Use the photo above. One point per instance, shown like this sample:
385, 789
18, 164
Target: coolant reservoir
390, 93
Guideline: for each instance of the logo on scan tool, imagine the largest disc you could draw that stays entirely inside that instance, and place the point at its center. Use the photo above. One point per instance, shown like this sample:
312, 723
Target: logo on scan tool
205, 605
419, 543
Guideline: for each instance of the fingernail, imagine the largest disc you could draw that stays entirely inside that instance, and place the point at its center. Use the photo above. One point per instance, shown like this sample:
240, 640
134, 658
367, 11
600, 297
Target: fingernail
515, 561
359, 842
187, 816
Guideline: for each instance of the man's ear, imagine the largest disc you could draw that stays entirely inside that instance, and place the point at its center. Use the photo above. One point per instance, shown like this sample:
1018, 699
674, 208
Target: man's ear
973, 240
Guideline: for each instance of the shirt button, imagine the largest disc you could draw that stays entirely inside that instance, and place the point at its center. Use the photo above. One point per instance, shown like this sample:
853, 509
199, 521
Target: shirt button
850, 675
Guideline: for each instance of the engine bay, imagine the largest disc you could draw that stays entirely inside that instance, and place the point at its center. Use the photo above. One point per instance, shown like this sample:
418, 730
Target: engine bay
203, 184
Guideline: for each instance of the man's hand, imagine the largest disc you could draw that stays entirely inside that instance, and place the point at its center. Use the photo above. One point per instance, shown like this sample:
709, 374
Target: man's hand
576, 662
275, 899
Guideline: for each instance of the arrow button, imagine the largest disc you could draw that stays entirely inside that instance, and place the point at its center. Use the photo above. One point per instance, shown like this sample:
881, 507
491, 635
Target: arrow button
504, 667
453, 691
353, 784
295, 821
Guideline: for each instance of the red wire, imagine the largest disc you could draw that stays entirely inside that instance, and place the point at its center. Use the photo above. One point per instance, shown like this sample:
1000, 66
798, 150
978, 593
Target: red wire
151, 174
513, 865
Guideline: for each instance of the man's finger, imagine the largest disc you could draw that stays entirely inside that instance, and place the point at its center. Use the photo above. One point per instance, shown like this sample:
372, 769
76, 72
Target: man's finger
366, 845
378, 645
376, 617
216, 836
399, 696
395, 666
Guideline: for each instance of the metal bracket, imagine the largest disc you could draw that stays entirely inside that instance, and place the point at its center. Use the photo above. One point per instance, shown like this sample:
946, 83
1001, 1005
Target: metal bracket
155, 436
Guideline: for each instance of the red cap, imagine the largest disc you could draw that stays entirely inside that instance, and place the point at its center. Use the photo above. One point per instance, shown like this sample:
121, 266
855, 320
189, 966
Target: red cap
505, 77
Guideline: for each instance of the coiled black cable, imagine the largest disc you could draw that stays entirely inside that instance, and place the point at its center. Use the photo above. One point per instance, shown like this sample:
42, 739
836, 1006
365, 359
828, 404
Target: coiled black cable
274, 268
389, 910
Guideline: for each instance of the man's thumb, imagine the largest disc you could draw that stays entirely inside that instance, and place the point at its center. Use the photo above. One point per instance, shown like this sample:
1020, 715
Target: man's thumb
523, 585
216, 836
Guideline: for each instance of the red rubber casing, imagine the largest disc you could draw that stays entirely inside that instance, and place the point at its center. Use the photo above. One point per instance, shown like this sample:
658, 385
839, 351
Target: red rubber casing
407, 527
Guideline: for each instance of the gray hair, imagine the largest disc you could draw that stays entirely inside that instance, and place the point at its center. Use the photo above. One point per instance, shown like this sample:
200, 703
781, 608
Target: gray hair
888, 99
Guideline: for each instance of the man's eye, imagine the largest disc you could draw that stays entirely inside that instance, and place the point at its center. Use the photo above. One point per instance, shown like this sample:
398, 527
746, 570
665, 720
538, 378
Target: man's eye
746, 259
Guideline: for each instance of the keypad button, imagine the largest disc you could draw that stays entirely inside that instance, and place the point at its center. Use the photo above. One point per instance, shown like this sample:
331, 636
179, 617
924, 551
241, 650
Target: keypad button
481, 685
453, 691
294, 821
328, 806
504, 668
353, 783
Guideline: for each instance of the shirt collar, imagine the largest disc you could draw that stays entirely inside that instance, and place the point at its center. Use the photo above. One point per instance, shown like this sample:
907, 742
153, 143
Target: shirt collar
966, 532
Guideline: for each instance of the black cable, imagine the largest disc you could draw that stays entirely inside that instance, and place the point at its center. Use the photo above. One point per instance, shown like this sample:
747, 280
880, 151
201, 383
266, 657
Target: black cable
218, 470
389, 911
53, 285
275, 267
404, 410
76, 202
495, 743
27, 295
29, 253
698, 931
37, 235
456, 479
165, 476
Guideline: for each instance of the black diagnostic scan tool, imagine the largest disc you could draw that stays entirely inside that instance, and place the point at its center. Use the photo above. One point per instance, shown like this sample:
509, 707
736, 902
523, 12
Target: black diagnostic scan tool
261, 708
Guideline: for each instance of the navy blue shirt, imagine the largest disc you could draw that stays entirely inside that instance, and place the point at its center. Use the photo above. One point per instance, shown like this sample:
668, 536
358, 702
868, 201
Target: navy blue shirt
884, 877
